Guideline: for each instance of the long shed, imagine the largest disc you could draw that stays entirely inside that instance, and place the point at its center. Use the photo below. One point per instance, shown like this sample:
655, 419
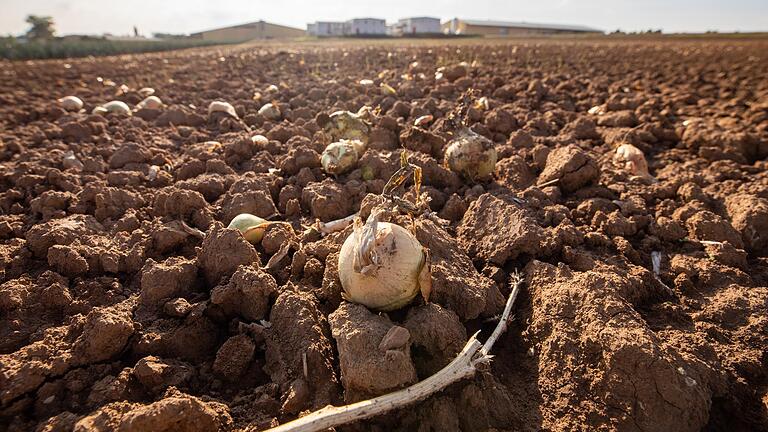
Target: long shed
249, 31
510, 28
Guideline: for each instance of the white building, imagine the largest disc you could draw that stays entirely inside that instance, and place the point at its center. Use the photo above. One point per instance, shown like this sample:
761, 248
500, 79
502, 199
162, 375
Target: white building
416, 25
353, 27
326, 28
366, 26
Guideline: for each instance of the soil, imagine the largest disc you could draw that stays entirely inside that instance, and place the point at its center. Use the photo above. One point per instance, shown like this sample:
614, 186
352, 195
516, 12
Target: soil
125, 303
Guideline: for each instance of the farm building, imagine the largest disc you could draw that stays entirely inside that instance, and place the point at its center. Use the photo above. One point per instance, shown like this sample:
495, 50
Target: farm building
415, 25
326, 28
366, 26
507, 28
250, 31
353, 27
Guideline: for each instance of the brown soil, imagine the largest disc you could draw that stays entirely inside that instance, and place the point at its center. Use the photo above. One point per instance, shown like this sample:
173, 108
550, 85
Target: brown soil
126, 305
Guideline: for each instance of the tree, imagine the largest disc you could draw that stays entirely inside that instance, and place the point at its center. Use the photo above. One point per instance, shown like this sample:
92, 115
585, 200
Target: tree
42, 27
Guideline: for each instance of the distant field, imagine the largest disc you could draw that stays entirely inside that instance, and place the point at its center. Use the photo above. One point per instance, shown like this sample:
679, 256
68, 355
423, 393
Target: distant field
60, 49
14, 50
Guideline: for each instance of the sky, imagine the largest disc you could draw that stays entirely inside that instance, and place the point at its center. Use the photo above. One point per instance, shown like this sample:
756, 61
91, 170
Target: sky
187, 16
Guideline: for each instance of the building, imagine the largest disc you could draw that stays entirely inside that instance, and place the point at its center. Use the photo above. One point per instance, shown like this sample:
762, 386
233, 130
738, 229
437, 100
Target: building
366, 26
415, 25
250, 31
507, 28
326, 28
353, 27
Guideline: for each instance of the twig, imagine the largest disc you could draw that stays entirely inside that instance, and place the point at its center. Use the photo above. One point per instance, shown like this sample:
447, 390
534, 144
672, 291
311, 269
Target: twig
463, 366
192, 231
517, 281
548, 183
656, 263
335, 225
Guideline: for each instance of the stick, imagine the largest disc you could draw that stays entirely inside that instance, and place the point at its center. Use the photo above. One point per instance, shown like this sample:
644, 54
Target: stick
335, 225
463, 366
501, 327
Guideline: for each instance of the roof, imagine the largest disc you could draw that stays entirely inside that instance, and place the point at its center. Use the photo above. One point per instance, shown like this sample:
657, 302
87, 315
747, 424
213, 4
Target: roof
523, 24
246, 25
419, 17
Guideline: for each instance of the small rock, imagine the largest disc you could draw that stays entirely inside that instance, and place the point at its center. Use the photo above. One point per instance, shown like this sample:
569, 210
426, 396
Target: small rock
177, 308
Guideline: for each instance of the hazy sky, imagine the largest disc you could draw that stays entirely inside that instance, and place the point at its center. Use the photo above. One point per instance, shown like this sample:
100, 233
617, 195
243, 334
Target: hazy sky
185, 16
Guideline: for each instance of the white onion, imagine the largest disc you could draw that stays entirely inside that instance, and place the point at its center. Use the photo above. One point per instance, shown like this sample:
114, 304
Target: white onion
221, 106
381, 271
472, 155
146, 91
116, 107
252, 227
633, 160
270, 111
341, 156
260, 140
71, 103
151, 102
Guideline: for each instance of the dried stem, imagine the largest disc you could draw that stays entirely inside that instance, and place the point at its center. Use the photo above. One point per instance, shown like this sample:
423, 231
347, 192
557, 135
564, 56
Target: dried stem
463, 366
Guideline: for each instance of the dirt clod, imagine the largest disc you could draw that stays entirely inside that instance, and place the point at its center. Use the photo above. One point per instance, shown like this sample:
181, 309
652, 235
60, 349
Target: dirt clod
366, 371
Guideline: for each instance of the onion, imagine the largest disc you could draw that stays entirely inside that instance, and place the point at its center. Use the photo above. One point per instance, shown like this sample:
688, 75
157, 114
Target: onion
381, 265
482, 104
472, 155
252, 227
387, 90
71, 161
270, 111
71, 103
260, 140
596, 110
146, 91
116, 107
423, 120
220, 106
151, 102
347, 125
341, 156
633, 160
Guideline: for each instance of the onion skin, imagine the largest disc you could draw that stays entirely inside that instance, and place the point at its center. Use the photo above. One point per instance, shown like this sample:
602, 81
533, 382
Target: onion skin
252, 227
396, 281
347, 125
471, 155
